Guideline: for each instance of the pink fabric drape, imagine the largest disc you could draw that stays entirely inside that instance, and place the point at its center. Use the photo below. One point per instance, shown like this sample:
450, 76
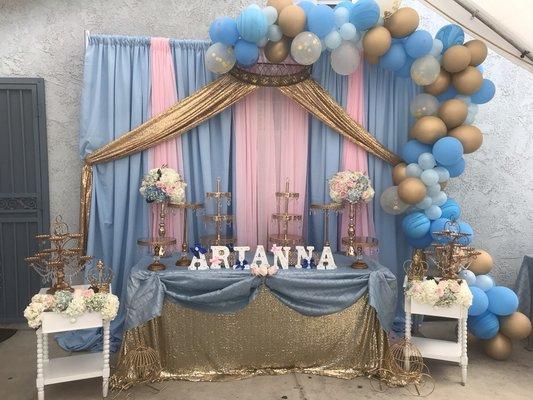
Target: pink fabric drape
163, 96
271, 147
354, 157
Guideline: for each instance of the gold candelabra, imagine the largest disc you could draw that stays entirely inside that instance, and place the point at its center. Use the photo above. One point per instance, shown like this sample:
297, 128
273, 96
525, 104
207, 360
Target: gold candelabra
100, 278
184, 260
219, 218
355, 245
63, 258
283, 218
417, 267
327, 209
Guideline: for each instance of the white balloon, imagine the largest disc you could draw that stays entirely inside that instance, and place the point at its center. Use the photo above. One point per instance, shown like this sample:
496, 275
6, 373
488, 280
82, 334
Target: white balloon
219, 58
306, 48
391, 202
433, 190
425, 203
439, 199
271, 14
347, 31
436, 50
425, 70
263, 42
274, 33
444, 174
472, 112
433, 212
413, 170
345, 58
341, 15
423, 104
426, 161
333, 40
429, 177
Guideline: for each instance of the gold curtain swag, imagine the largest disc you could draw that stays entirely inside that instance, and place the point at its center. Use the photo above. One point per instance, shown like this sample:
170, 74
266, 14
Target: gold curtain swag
210, 101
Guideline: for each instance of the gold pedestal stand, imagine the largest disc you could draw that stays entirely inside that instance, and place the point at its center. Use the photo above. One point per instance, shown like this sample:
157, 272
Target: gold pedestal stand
158, 244
219, 219
355, 244
327, 209
283, 218
184, 260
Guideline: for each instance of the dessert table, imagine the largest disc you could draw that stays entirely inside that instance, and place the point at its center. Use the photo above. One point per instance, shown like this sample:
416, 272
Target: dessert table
227, 324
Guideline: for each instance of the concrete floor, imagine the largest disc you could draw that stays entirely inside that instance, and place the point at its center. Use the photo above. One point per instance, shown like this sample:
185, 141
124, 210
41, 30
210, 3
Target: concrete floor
487, 379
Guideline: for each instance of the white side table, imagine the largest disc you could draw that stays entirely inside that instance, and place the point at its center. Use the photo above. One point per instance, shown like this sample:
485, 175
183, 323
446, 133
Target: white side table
440, 349
75, 367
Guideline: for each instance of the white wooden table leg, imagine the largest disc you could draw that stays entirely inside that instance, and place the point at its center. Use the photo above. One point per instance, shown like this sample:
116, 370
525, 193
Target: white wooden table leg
407, 357
464, 355
45, 348
105, 373
40, 377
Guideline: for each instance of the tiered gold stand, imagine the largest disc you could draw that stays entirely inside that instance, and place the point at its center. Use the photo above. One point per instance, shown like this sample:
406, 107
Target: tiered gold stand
283, 218
158, 244
219, 219
184, 260
355, 245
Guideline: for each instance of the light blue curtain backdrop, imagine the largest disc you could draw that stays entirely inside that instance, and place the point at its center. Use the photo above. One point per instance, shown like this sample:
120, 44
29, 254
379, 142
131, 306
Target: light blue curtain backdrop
324, 158
207, 149
115, 99
387, 99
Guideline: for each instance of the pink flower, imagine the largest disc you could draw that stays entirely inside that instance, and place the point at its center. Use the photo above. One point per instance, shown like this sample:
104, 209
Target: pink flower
215, 260
455, 287
87, 293
440, 291
275, 248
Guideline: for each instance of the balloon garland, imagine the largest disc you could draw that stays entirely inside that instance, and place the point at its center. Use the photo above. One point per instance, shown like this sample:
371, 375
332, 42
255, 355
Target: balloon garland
451, 75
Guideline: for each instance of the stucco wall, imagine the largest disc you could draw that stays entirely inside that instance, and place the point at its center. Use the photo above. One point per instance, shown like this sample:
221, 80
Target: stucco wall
45, 39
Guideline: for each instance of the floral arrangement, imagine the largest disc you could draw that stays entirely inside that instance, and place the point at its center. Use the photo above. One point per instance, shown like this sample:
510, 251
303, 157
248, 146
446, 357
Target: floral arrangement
71, 304
161, 185
351, 187
442, 293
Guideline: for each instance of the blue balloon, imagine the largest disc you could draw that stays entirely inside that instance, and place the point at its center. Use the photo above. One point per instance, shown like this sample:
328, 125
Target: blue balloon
394, 58
450, 35
364, 14
451, 210
418, 44
420, 243
465, 228
448, 151
456, 169
416, 225
346, 4
224, 30
342, 16
433, 212
405, 71
246, 53
252, 25
469, 277
484, 282
449, 94
480, 302
485, 93
321, 20
412, 150
502, 301
484, 326
306, 6
441, 224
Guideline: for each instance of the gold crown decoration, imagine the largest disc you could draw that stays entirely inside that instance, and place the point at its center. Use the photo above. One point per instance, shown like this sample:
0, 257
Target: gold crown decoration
416, 268
100, 277
62, 259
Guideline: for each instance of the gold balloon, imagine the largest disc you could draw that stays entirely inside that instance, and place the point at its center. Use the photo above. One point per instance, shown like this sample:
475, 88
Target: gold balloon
499, 347
277, 52
279, 4
376, 41
468, 81
372, 59
482, 264
403, 22
411, 190
428, 129
440, 85
398, 173
453, 112
291, 20
470, 137
478, 51
456, 58
516, 326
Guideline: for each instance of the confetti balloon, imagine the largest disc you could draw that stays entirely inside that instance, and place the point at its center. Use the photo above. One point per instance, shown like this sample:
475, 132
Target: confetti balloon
423, 104
391, 202
345, 58
219, 58
425, 70
306, 48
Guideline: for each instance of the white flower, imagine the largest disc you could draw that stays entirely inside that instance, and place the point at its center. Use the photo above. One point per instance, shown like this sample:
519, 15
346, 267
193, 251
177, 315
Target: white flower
76, 307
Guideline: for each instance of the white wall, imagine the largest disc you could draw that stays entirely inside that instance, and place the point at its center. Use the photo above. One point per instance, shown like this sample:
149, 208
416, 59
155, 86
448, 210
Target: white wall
44, 38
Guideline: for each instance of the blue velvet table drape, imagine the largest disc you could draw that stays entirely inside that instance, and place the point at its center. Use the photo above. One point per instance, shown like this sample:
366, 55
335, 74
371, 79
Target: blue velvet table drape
309, 292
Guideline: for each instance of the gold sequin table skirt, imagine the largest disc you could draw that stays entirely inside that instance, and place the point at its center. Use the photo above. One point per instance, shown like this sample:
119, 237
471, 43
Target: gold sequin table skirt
265, 338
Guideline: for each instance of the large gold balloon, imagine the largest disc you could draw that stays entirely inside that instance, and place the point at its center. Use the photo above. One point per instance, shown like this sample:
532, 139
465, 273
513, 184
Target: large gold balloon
291, 20
470, 137
428, 129
279, 4
453, 112
277, 52
376, 41
468, 81
516, 326
403, 22
482, 264
398, 173
478, 51
412, 190
499, 347
456, 58
440, 85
